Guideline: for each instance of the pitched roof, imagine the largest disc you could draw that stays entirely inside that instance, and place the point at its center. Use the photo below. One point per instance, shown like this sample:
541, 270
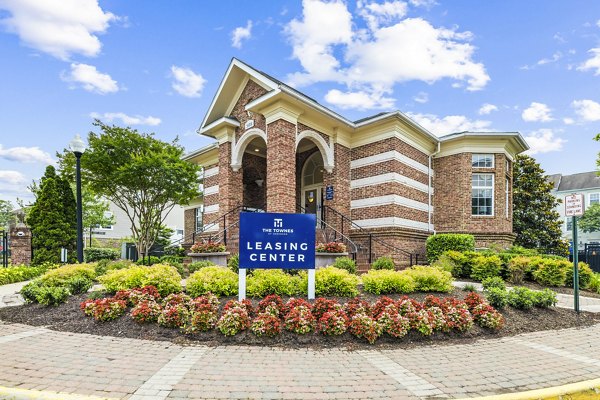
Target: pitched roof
580, 181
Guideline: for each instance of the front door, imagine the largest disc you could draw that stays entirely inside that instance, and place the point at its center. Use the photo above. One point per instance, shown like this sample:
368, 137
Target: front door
312, 201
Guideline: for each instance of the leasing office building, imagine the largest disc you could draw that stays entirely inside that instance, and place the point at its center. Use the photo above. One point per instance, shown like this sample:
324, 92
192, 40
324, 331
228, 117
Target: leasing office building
382, 177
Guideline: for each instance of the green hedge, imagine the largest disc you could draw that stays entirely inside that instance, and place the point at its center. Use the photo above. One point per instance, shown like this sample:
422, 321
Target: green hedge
385, 281
430, 279
92, 254
19, 273
263, 282
164, 277
220, 281
439, 243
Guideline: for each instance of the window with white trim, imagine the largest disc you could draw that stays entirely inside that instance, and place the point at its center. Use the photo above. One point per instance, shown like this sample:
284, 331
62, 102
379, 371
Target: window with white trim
594, 198
482, 194
198, 213
482, 161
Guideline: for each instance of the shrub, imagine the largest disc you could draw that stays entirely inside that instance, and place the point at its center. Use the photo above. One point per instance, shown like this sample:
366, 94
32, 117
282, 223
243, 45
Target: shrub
198, 265
551, 272
176, 299
497, 297
245, 304
595, 283
386, 281
330, 247
437, 319
92, 254
384, 303
103, 266
106, 309
487, 317
272, 304
458, 317
233, 263
517, 269
300, 320
146, 311
204, 317
383, 263
493, 282
60, 276
430, 279
30, 290
51, 295
333, 323
439, 243
345, 263
263, 282
332, 281
218, 280
455, 262
174, 316
486, 267
323, 305
357, 306
395, 325
266, 324
473, 299
421, 321
544, 298
19, 273
406, 306
148, 260
78, 284
521, 298
585, 275
165, 278
534, 264
207, 247
364, 326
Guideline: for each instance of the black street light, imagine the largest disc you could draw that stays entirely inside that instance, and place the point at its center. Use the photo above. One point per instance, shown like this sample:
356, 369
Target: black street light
78, 147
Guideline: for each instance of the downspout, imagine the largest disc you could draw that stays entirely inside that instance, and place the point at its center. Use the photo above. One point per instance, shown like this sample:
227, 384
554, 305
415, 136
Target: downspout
430, 177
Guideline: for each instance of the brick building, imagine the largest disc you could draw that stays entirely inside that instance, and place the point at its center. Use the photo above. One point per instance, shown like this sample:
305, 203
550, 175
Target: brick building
382, 184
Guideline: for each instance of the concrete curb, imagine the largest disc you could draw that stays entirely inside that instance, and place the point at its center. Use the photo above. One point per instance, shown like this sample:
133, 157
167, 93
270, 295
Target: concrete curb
16, 393
556, 391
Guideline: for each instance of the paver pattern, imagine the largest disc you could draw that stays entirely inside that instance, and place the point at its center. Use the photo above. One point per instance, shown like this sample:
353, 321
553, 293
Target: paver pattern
42, 359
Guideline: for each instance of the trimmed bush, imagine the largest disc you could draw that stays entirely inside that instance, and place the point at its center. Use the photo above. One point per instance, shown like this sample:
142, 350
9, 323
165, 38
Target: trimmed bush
165, 278
345, 263
439, 243
103, 266
497, 297
383, 263
19, 273
233, 263
430, 279
220, 281
486, 267
332, 281
149, 260
551, 272
92, 254
493, 282
545, 298
521, 298
51, 295
517, 269
60, 276
198, 265
263, 282
585, 275
386, 282
595, 283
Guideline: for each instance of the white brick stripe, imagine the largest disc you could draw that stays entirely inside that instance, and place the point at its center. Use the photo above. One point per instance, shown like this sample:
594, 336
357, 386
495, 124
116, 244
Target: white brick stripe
559, 352
392, 155
211, 172
211, 190
160, 385
393, 222
214, 208
389, 177
21, 335
389, 199
412, 382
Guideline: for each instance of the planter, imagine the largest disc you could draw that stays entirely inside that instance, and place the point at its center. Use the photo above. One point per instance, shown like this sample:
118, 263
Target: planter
325, 259
217, 258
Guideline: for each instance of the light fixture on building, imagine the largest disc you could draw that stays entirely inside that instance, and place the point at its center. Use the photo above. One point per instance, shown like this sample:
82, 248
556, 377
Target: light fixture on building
259, 182
257, 150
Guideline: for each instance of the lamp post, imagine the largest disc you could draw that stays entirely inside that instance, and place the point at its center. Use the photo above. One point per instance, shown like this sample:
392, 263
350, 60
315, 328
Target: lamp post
78, 147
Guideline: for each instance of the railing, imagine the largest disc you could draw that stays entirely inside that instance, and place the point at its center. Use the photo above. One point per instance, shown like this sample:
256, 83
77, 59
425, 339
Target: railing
331, 215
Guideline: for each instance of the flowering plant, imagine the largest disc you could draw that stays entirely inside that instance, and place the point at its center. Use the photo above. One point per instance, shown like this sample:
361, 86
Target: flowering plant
331, 247
486, 316
421, 321
357, 306
266, 324
438, 319
176, 299
394, 325
206, 302
293, 303
104, 309
174, 316
459, 318
407, 306
323, 305
300, 320
333, 322
134, 296
204, 317
365, 326
271, 304
473, 300
382, 304
208, 247
245, 304
146, 311
233, 321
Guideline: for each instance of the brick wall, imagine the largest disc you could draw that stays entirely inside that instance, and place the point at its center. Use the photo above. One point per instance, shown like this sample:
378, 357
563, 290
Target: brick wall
387, 145
251, 92
340, 180
189, 224
20, 245
281, 167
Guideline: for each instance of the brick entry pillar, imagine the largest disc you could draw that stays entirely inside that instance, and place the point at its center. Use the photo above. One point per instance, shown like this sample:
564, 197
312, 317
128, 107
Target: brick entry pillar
339, 178
281, 167
230, 195
20, 245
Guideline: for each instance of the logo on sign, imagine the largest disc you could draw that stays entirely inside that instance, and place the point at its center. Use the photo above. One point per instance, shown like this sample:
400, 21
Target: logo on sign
278, 223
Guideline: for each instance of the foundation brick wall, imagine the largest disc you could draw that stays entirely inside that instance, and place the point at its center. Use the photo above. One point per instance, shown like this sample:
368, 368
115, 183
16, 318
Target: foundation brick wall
281, 167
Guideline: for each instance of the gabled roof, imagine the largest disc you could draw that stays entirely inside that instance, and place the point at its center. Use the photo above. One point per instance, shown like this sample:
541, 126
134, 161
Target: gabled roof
580, 181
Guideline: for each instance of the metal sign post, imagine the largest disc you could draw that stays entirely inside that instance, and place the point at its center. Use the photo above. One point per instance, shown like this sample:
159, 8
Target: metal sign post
574, 207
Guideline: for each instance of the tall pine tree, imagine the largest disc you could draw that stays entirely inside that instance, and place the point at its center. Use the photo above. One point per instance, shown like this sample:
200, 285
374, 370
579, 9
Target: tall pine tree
52, 219
535, 219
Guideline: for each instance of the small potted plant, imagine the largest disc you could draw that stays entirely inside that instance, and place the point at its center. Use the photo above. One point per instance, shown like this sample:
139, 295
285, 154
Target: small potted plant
214, 252
326, 253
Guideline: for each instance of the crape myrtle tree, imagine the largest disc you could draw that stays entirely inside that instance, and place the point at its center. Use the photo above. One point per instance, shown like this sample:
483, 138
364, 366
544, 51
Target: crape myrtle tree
535, 219
143, 176
52, 219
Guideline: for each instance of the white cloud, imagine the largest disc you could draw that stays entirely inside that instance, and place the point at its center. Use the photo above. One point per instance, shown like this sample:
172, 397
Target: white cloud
12, 177
88, 77
187, 83
568, 121
26, 155
358, 100
598, 23
537, 112
240, 34
593, 63
389, 51
543, 141
421, 97
487, 108
555, 57
127, 119
422, 3
58, 27
588, 110
449, 124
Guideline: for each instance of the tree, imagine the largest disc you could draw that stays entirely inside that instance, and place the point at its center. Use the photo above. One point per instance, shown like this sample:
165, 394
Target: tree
6, 213
51, 226
535, 219
94, 211
143, 176
590, 220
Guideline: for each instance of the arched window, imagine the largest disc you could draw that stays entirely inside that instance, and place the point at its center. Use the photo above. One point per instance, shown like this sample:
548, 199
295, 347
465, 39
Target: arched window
313, 170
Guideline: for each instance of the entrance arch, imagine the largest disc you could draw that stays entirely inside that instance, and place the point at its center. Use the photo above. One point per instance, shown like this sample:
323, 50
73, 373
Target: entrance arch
324, 148
311, 184
237, 152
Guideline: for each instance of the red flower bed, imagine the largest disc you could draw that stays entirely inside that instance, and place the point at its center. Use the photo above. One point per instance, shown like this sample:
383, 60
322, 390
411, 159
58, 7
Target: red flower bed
331, 247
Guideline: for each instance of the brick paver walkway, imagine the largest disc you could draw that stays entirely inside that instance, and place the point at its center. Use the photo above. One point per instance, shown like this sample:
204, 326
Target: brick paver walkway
42, 359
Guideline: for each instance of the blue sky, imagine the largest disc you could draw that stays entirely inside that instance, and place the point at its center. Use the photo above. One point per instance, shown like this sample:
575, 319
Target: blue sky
528, 66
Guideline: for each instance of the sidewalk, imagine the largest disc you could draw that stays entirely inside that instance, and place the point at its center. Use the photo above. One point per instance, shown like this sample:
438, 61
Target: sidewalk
39, 359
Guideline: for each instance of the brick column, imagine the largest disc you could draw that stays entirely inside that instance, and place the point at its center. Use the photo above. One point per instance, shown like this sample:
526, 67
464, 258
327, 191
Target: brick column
281, 167
20, 245
339, 178
230, 195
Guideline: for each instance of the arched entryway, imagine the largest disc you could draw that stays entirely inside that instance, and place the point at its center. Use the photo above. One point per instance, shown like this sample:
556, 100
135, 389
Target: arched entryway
309, 177
254, 175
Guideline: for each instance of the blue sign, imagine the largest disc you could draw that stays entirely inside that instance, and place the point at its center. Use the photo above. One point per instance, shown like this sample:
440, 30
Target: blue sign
329, 192
274, 240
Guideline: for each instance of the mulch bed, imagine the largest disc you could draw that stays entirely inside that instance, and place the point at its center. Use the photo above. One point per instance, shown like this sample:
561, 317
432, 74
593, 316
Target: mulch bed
68, 317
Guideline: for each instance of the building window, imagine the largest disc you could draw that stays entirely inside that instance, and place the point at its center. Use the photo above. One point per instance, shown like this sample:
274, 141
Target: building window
199, 211
569, 224
313, 170
594, 198
506, 204
482, 161
482, 194
108, 227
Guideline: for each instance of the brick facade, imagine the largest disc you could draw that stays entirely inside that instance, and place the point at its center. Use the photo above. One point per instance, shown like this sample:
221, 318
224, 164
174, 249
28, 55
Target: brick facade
20, 245
251, 92
281, 166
